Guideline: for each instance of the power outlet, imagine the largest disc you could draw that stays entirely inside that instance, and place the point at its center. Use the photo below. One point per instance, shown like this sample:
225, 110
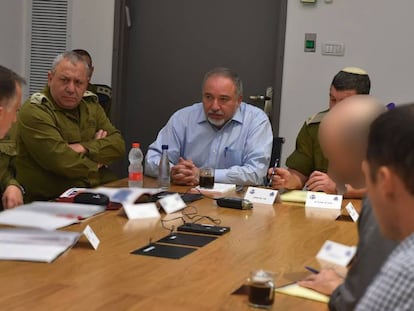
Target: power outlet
333, 49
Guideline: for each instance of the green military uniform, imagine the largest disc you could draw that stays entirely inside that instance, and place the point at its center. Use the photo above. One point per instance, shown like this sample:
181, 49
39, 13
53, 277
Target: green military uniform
308, 156
45, 164
7, 155
104, 94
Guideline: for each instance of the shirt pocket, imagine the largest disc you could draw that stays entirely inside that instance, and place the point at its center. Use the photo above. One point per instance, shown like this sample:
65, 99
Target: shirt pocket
232, 157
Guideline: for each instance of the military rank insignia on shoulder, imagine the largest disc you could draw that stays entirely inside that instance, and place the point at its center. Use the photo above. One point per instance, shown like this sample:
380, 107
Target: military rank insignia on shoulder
37, 98
316, 118
88, 95
105, 90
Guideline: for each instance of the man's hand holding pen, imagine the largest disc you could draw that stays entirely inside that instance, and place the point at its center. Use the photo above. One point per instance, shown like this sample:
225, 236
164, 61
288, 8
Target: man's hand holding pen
279, 178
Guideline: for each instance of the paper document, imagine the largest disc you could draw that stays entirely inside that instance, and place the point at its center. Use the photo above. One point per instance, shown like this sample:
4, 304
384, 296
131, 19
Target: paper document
125, 195
303, 292
70, 210
48, 215
218, 189
23, 218
34, 244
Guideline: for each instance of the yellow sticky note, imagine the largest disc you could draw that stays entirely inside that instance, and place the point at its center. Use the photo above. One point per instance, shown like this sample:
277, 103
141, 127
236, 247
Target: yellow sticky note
303, 292
294, 196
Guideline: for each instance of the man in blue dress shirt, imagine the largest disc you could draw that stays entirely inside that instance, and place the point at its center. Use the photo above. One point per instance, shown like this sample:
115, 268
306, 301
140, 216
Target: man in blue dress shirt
222, 132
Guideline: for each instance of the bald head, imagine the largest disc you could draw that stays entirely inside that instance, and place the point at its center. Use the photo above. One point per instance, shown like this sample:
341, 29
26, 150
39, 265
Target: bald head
343, 136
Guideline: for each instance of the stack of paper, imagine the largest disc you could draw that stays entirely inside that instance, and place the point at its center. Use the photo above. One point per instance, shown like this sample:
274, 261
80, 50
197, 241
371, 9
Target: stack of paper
35, 245
48, 215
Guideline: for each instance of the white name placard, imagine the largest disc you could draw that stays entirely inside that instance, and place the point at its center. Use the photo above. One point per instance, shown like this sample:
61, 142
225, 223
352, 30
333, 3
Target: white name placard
172, 203
323, 200
260, 195
352, 211
141, 211
336, 253
92, 237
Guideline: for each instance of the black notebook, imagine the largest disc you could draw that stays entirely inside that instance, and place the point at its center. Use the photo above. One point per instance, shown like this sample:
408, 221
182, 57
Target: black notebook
164, 251
187, 239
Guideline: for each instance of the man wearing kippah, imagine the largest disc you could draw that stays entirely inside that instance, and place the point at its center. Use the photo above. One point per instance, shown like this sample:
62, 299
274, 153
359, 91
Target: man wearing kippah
307, 165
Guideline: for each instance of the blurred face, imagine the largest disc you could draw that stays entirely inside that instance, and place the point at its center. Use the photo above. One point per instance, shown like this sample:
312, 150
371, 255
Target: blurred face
336, 96
378, 192
344, 164
220, 101
9, 111
68, 83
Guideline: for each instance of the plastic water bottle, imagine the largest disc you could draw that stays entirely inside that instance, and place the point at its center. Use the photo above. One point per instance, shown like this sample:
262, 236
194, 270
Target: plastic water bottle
135, 176
164, 169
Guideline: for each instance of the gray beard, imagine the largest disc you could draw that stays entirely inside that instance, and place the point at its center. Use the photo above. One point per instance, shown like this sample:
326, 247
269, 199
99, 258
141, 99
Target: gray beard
217, 123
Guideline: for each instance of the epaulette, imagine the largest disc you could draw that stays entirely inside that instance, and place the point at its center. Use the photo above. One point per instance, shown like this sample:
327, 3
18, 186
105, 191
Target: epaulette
101, 89
37, 98
316, 118
90, 95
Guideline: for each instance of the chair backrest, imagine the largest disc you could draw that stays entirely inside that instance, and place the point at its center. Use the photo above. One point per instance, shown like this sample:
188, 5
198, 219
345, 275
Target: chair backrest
276, 150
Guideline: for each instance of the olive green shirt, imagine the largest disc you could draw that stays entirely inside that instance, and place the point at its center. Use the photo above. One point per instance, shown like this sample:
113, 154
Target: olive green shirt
7, 155
308, 156
46, 165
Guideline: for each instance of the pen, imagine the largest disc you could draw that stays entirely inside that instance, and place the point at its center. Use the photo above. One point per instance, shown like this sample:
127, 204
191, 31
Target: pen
273, 172
311, 269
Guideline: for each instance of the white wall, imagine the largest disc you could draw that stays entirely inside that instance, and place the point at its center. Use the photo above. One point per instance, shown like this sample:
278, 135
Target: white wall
378, 36
13, 24
92, 29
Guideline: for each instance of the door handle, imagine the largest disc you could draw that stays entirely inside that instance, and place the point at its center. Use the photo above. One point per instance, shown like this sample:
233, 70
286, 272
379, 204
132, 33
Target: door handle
268, 101
128, 17
259, 97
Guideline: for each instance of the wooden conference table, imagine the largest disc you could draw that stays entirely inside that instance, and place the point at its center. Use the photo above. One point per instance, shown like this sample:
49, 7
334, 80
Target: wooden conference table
279, 238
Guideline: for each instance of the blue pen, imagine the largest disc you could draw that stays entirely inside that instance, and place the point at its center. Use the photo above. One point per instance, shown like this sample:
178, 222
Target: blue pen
311, 269
273, 172
225, 151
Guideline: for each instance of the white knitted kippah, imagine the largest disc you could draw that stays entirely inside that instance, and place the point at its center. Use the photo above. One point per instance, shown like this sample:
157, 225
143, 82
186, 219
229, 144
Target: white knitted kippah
355, 70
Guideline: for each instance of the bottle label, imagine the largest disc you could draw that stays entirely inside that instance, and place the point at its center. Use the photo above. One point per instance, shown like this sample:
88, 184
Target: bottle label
136, 176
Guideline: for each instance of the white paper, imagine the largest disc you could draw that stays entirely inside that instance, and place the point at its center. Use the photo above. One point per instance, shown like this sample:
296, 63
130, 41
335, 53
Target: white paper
323, 200
261, 195
172, 203
64, 209
124, 195
91, 236
352, 211
218, 187
23, 218
141, 211
71, 192
34, 245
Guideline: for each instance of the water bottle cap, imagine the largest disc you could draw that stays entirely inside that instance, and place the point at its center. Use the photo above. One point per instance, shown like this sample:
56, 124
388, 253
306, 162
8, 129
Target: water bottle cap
164, 147
135, 145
